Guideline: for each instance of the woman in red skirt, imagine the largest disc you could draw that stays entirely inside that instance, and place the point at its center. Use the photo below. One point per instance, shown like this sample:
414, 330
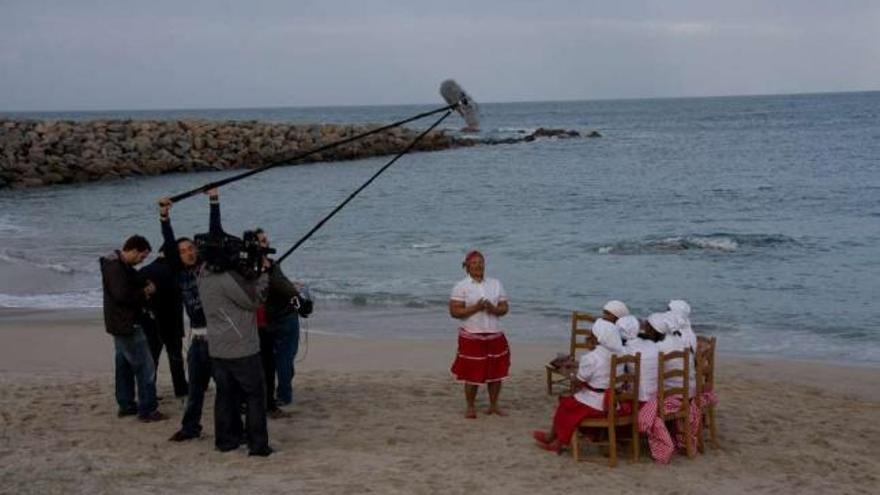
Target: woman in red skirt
592, 380
483, 354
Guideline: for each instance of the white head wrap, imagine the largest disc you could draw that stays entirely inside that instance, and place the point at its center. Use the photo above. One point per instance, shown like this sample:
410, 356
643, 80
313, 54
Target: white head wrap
677, 322
617, 308
681, 307
629, 327
660, 322
608, 335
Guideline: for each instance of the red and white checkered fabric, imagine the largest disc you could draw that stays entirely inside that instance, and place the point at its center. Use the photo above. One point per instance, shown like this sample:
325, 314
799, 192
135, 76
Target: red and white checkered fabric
660, 442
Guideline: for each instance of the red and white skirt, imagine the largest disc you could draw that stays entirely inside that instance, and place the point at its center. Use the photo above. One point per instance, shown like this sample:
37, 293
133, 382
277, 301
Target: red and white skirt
481, 357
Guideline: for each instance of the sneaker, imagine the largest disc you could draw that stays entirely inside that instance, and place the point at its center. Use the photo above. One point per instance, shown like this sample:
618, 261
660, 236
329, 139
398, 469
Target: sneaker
126, 412
182, 436
264, 452
152, 417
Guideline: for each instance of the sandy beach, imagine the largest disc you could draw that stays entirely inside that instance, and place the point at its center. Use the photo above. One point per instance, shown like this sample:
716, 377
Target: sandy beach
384, 416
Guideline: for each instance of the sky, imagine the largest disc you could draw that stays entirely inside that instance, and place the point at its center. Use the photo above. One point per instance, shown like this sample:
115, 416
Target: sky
160, 54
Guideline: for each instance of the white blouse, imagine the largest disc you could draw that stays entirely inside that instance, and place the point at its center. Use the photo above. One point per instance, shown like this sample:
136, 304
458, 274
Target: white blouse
470, 292
647, 365
594, 368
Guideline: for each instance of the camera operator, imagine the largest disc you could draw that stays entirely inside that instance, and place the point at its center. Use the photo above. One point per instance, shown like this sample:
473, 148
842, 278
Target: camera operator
183, 259
125, 296
231, 300
279, 341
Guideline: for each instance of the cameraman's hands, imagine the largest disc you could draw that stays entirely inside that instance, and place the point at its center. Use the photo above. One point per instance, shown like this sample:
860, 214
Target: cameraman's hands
213, 194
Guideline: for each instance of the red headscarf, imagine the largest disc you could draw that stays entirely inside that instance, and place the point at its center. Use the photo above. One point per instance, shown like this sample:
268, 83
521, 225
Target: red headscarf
471, 255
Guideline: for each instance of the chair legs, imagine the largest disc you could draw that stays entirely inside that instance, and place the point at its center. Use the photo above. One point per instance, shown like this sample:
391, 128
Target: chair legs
636, 444
612, 446
576, 445
713, 432
689, 447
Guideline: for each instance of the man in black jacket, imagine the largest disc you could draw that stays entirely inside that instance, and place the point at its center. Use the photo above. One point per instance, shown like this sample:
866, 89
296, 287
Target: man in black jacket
166, 309
183, 260
125, 296
279, 338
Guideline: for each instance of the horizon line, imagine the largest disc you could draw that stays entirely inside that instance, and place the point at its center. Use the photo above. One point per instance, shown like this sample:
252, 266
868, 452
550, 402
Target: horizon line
369, 105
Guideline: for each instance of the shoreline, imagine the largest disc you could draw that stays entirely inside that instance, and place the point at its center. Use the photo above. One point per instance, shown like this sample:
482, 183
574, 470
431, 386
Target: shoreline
341, 326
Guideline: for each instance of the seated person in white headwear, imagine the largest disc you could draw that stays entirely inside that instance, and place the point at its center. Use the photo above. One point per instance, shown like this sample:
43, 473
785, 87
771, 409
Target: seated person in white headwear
681, 327
664, 323
641, 342
612, 310
592, 381
682, 311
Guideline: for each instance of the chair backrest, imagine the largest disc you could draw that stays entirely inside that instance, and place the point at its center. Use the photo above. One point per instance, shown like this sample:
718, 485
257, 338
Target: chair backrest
624, 382
666, 371
705, 364
581, 329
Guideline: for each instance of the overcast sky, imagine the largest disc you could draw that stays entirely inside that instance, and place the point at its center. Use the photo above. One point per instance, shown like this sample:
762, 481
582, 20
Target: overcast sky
120, 54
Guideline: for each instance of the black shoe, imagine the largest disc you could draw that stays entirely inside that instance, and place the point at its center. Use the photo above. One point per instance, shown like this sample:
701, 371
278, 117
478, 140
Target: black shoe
226, 449
152, 417
277, 413
126, 412
264, 452
181, 436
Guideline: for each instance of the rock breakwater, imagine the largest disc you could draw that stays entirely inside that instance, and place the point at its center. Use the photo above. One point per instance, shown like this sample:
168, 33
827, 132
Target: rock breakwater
37, 153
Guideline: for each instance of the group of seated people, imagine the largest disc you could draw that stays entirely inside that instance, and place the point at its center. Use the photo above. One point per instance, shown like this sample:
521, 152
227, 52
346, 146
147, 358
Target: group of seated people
618, 332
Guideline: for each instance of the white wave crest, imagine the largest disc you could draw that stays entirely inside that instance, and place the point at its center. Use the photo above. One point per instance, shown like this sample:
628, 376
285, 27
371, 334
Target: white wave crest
56, 267
89, 299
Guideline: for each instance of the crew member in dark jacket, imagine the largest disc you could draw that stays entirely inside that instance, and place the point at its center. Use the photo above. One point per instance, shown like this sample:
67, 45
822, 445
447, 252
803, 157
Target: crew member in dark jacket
125, 296
166, 309
182, 257
279, 341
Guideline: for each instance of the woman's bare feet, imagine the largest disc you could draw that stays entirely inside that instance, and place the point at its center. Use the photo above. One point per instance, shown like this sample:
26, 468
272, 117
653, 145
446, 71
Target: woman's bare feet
496, 410
471, 413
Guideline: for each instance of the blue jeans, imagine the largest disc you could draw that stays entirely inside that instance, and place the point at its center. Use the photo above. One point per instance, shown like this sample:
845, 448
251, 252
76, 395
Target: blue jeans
198, 362
286, 345
134, 363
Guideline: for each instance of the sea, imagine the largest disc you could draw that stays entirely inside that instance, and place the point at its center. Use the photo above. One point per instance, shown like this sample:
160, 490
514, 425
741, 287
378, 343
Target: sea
763, 212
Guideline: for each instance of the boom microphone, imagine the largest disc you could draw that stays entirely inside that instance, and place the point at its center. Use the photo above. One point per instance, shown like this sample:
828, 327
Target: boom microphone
466, 106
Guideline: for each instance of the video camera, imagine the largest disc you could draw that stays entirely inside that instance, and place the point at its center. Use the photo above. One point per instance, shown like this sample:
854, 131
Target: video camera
222, 252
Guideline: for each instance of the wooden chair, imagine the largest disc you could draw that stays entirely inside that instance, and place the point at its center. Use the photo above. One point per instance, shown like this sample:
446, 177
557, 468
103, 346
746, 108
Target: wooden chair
666, 372
581, 325
624, 388
705, 364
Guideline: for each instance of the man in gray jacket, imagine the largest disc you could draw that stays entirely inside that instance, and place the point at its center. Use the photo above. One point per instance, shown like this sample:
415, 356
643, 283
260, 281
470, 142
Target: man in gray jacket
230, 302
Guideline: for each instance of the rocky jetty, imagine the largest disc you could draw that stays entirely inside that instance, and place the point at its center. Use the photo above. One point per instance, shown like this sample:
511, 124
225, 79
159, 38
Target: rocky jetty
36, 153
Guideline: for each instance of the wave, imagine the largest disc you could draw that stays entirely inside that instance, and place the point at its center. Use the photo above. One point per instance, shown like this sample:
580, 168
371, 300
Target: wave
7, 227
19, 258
719, 243
85, 299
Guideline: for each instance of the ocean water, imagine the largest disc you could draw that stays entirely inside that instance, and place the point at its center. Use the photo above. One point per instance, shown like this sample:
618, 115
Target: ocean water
763, 212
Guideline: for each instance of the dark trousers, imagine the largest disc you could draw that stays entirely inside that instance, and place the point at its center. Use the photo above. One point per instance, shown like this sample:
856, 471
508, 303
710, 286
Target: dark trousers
267, 356
159, 337
236, 380
286, 331
199, 363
